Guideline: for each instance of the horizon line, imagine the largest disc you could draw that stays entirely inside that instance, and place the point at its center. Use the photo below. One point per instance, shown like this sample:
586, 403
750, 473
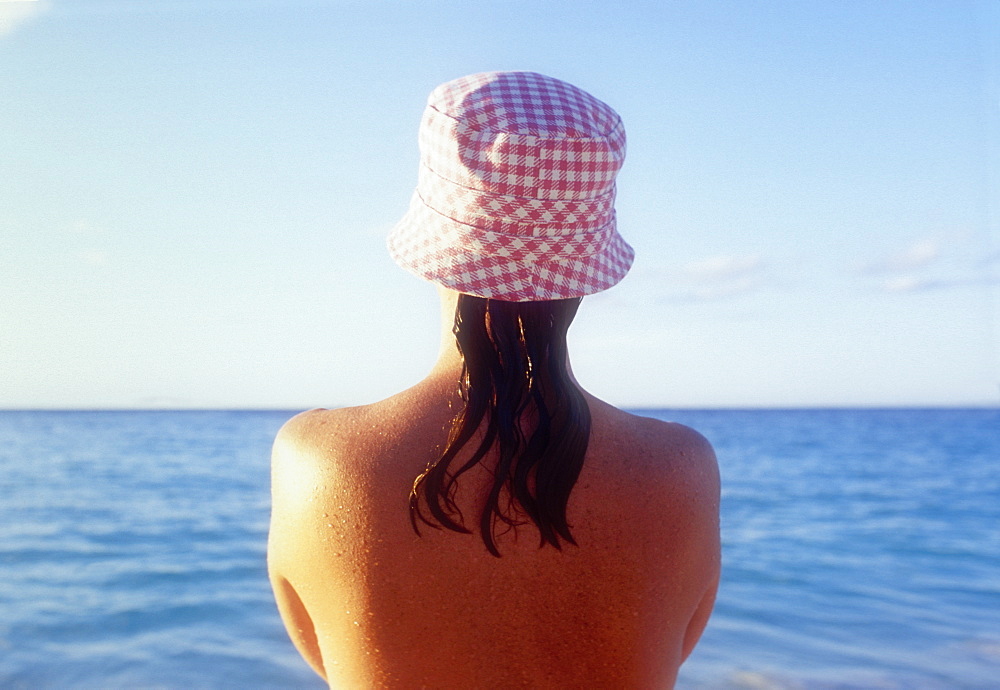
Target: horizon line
627, 408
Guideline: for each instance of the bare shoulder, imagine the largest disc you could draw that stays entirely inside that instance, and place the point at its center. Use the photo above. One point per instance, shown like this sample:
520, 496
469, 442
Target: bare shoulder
351, 426
661, 480
343, 443
658, 447
304, 449
296, 445
664, 474
689, 459
305, 462
674, 437
306, 424
314, 430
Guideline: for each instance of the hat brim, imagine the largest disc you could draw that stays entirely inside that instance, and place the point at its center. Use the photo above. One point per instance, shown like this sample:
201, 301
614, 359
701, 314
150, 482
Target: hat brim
427, 244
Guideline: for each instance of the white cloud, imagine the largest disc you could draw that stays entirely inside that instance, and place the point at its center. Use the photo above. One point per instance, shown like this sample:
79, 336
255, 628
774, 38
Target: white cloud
14, 13
906, 283
912, 283
916, 255
715, 277
923, 265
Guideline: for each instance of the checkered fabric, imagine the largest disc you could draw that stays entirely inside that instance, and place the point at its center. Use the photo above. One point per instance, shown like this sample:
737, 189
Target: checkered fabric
515, 196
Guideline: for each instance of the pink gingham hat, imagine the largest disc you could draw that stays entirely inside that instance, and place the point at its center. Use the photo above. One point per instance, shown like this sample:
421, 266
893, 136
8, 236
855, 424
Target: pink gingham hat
515, 197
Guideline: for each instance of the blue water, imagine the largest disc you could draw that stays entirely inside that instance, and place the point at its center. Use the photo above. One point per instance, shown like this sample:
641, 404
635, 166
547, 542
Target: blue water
861, 550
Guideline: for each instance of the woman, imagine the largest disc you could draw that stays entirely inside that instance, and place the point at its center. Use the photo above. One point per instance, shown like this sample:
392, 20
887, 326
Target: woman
495, 525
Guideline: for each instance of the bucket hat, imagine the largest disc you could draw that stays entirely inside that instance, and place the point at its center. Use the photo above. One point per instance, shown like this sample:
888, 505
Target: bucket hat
516, 189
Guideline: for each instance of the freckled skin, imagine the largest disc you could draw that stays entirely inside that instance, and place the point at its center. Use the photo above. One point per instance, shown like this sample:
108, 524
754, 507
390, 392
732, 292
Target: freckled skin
370, 604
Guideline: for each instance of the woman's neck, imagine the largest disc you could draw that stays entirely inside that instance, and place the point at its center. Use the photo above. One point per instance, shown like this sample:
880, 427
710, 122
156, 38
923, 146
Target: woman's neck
449, 363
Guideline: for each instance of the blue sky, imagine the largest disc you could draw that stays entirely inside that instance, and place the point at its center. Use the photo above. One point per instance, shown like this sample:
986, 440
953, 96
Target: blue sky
194, 197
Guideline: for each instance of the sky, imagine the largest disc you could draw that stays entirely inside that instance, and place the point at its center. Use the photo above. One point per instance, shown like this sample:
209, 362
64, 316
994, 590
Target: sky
194, 198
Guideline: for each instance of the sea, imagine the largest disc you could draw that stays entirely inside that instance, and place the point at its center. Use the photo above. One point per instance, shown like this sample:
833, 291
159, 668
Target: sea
861, 549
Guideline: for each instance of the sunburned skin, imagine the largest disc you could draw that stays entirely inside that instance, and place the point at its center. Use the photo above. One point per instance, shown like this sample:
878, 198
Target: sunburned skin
370, 604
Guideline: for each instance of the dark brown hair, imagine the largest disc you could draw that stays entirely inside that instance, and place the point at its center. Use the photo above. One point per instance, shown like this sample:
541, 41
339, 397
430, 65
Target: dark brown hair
534, 421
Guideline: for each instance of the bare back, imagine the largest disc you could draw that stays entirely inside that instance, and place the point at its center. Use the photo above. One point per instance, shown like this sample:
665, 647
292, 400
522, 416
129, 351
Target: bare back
371, 604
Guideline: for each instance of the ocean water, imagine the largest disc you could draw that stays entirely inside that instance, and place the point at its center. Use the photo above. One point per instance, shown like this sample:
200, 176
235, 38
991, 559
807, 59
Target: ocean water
861, 549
